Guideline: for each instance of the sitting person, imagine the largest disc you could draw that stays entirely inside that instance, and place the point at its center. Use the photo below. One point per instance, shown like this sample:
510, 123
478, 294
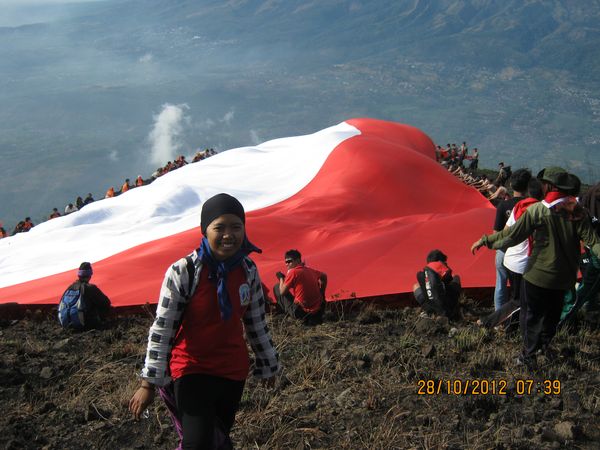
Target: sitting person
301, 292
70, 208
83, 305
28, 224
110, 193
437, 290
89, 199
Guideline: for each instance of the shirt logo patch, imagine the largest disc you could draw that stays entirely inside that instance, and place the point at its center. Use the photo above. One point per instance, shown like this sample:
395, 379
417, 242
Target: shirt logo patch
244, 294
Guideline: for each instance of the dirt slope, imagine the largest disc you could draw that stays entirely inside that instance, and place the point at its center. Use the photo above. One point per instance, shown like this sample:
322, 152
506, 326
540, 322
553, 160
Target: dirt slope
351, 383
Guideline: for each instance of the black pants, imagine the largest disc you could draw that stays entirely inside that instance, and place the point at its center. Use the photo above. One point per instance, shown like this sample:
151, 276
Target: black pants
540, 313
515, 285
508, 314
287, 305
205, 402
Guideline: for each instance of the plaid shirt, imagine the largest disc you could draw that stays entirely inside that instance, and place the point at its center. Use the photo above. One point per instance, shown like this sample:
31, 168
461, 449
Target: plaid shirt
174, 296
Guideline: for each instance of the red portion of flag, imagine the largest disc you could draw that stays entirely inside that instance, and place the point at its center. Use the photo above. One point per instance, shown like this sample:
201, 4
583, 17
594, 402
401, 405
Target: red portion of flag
368, 219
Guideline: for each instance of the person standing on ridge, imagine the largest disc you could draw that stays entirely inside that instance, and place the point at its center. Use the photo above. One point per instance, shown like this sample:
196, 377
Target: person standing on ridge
206, 301
515, 262
519, 182
474, 159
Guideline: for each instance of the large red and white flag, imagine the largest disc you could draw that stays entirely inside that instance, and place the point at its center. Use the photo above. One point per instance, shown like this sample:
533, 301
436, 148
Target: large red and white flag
364, 201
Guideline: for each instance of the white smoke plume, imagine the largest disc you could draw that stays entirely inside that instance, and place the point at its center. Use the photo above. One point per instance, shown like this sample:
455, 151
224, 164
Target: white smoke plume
228, 117
146, 58
164, 137
254, 137
113, 156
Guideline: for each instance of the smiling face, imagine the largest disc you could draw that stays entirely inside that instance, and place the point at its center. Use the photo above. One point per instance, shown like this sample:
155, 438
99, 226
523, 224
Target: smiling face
225, 235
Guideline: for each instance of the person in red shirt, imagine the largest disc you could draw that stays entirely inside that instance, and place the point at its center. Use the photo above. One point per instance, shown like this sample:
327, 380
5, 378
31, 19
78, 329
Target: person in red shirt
28, 224
197, 355
301, 292
125, 186
54, 214
110, 193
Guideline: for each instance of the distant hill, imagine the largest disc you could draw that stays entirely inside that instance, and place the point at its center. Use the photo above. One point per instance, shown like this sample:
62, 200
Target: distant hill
79, 94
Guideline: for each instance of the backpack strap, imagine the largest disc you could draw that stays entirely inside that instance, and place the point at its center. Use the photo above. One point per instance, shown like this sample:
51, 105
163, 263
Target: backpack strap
191, 270
81, 296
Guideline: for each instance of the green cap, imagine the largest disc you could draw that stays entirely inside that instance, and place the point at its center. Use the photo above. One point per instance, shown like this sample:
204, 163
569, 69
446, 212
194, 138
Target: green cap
561, 179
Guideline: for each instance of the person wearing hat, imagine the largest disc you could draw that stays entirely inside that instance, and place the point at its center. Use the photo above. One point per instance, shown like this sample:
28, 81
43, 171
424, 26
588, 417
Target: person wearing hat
557, 225
97, 304
196, 351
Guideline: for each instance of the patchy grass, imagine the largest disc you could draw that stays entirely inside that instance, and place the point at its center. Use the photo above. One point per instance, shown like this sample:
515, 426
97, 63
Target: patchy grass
359, 381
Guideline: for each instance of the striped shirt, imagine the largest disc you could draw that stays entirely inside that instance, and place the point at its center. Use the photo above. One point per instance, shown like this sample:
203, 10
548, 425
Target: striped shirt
175, 293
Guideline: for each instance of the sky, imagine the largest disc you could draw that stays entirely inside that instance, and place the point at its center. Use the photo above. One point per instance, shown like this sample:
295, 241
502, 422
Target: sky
41, 2
16, 13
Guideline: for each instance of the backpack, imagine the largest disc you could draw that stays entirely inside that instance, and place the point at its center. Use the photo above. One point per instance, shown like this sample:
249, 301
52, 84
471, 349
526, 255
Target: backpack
438, 297
72, 308
434, 291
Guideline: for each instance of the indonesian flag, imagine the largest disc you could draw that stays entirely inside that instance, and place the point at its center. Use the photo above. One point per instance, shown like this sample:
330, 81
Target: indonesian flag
364, 201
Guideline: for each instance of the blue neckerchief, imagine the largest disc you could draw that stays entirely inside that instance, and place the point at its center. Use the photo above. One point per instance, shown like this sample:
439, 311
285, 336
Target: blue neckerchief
220, 269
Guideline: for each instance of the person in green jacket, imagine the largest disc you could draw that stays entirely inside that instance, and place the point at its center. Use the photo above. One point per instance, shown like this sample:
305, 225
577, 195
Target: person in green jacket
557, 225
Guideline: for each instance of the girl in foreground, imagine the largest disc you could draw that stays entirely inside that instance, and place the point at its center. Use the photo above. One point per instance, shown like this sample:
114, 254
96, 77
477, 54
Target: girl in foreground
196, 351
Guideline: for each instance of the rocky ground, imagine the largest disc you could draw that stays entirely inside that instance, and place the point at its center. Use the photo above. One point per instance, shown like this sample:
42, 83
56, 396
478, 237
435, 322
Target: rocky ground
368, 378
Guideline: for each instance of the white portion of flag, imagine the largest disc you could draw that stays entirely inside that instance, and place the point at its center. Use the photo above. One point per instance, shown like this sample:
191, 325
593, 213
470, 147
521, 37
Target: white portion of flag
258, 176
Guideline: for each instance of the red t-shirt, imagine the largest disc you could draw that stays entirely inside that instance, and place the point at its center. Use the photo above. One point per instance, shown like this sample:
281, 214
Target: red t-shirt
207, 344
303, 282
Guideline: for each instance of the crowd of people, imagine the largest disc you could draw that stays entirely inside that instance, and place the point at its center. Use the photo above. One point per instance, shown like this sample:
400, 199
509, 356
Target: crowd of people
454, 155
25, 225
546, 238
537, 237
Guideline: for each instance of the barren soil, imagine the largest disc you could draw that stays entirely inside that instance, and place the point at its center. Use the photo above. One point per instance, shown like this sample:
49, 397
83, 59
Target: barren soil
351, 383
